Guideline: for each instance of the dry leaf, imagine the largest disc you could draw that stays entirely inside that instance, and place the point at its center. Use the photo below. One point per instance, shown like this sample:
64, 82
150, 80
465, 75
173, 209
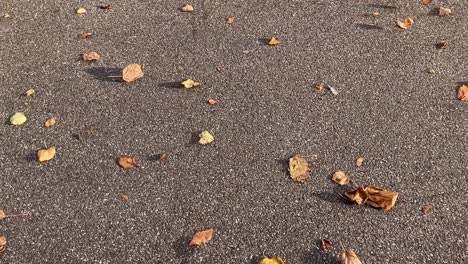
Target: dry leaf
108, 6
381, 198
50, 122
46, 154
17, 119
319, 87
81, 11
86, 35
298, 168
162, 157
444, 11
274, 260
441, 45
341, 178
359, 195
230, 20
462, 93
133, 72
212, 101
3, 243
2, 215
407, 23
274, 41
426, 2
30, 92
205, 138
375, 14
359, 161
202, 237
91, 56
426, 209
128, 162
349, 257
124, 197
187, 8
189, 83
326, 244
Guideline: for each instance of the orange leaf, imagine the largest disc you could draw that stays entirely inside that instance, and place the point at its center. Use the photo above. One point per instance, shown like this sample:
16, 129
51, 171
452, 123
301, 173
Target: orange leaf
128, 162
349, 257
298, 168
3, 243
381, 198
341, 178
444, 11
426, 2
359, 195
407, 23
133, 72
230, 20
274, 41
187, 8
212, 101
50, 122
2, 215
462, 93
202, 237
91, 56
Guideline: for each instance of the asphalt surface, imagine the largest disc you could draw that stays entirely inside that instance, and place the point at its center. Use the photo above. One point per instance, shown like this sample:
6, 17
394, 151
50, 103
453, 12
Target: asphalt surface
405, 122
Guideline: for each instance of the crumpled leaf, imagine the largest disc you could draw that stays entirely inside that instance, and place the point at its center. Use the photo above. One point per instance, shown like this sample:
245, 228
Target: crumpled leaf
326, 244
133, 72
349, 257
17, 119
3, 243
274, 260
30, 92
205, 138
359, 162
81, 11
359, 195
86, 35
426, 209
462, 93
46, 154
91, 56
2, 215
230, 20
274, 41
187, 8
426, 2
50, 122
124, 197
442, 45
128, 162
202, 237
105, 6
381, 198
407, 23
444, 11
298, 168
341, 178
212, 101
189, 83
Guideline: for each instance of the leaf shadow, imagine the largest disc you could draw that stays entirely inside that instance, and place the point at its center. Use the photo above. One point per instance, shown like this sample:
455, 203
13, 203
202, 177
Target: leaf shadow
31, 156
195, 137
106, 74
319, 256
434, 12
332, 197
182, 248
171, 85
382, 6
256, 259
263, 41
284, 165
369, 26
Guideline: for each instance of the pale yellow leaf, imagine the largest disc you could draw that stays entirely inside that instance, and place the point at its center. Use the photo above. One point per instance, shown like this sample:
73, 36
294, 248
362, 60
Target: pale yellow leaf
274, 260
18, 119
30, 92
81, 11
187, 8
349, 257
205, 138
189, 83
46, 154
298, 168
50, 122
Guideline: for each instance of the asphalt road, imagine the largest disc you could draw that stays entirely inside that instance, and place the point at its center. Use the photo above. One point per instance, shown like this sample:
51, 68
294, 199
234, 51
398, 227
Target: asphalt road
405, 122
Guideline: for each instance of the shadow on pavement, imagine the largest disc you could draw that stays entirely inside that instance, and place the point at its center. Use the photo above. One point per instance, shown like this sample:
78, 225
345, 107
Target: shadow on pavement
106, 74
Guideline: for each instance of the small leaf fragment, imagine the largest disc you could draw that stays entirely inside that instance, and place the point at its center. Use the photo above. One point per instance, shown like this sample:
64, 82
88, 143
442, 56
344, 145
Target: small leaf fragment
441, 45
407, 23
133, 72
426, 2
86, 35
81, 11
319, 87
358, 195
202, 237
349, 257
2, 215
274, 41
212, 101
380, 198
298, 168
30, 92
3, 243
341, 178
274, 260
124, 197
187, 8
17, 119
326, 244
46, 154
462, 93
426, 209
91, 56
50, 122
359, 162
105, 6
162, 157
205, 138
444, 11
230, 20
189, 83
128, 162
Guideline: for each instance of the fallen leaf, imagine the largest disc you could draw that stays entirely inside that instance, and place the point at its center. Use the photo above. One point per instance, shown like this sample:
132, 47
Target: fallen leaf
205, 138
133, 72
230, 20
3, 243
441, 45
187, 8
128, 162
17, 119
162, 157
91, 56
444, 11
462, 93
298, 168
358, 195
375, 14
202, 237
2, 215
81, 11
341, 178
426, 2
319, 87
86, 35
30, 92
349, 257
360, 161
124, 197
108, 6
189, 83
212, 101
46, 154
274, 41
50, 122
426, 209
381, 198
274, 260
326, 244
407, 23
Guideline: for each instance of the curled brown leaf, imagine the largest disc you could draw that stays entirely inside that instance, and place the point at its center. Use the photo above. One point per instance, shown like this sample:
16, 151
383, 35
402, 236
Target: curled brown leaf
202, 237
128, 162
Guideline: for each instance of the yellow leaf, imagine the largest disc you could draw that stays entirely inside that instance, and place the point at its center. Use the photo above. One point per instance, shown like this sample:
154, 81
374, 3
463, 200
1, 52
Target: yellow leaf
274, 260
205, 138
349, 257
230, 20
50, 122
274, 41
30, 92
444, 11
46, 154
189, 83
133, 72
381, 198
3, 243
81, 11
426, 2
18, 119
407, 23
202, 237
91, 56
298, 168
128, 162
341, 178
187, 8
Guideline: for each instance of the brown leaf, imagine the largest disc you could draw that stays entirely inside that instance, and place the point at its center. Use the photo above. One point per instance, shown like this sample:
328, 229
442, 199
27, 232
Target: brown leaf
50, 122
427, 209
162, 157
124, 197
86, 35
349, 257
202, 237
407, 23
441, 45
91, 56
359, 195
108, 6
359, 161
3, 243
212, 101
341, 178
298, 168
319, 87
187, 8
230, 20
326, 244
133, 72
462, 93
274, 41
128, 162
2, 215
381, 198
426, 2
444, 11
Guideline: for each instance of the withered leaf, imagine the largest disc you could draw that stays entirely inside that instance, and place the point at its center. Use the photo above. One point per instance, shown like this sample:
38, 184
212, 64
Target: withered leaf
50, 122
162, 157
426, 2
104, 6
298, 168
326, 244
230, 20
441, 45
319, 87
128, 162
359, 161
124, 197
91, 56
380, 198
3, 243
202, 237
2, 215
341, 178
189, 83
407, 23
359, 195
444, 11
274, 41
426, 209
86, 35
462, 93
187, 8
133, 72
349, 257
212, 101
273, 260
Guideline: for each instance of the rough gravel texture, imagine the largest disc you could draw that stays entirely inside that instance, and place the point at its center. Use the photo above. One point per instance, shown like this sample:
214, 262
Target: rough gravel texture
405, 122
